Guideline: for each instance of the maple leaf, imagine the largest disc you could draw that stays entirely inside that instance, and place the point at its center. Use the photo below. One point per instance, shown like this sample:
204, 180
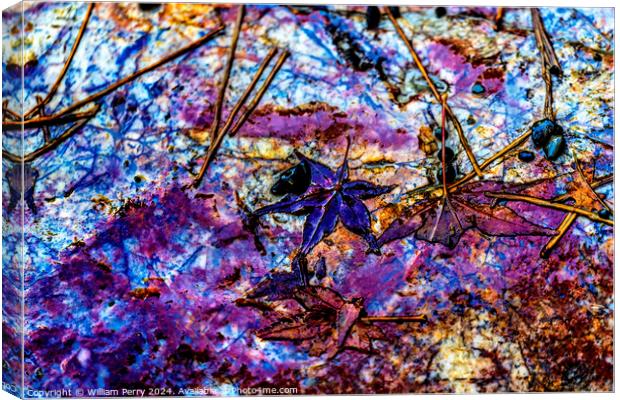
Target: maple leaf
444, 220
278, 285
579, 189
328, 324
330, 197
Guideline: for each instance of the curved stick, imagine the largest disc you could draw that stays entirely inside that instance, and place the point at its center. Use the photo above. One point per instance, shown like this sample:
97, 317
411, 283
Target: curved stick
52, 119
229, 63
550, 204
65, 67
52, 144
455, 121
214, 146
399, 319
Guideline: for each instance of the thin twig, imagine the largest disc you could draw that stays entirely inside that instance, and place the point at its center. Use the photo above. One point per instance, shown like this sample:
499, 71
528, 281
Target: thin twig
545, 41
499, 17
444, 100
549, 61
570, 217
51, 120
236, 109
214, 146
261, 91
588, 185
561, 229
6, 112
46, 130
455, 185
229, 63
431, 84
396, 318
511, 146
594, 184
48, 120
56, 84
550, 204
51, 145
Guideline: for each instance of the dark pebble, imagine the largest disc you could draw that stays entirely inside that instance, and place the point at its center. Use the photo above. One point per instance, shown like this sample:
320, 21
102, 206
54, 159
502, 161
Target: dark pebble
395, 11
478, 88
555, 71
440, 12
294, 180
149, 6
449, 154
542, 130
373, 17
604, 213
450, 175
555, 147
526, 156
14, 70
437, 133
30, 66
597, 57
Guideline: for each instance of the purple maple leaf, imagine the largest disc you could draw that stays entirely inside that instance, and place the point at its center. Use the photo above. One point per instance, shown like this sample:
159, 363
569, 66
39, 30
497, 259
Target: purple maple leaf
330, 198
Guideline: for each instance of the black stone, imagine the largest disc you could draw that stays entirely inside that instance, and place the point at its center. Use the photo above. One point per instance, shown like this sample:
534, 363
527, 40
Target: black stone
604, 213
526, 156
555, 70
437, 133
373, 17
554, 147
30, 66
395, 11
450, 174
440, 11
149, 6
543, 129
449, 154
294, 180
478, 88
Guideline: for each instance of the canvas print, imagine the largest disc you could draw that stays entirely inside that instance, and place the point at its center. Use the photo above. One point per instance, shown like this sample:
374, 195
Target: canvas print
228, 199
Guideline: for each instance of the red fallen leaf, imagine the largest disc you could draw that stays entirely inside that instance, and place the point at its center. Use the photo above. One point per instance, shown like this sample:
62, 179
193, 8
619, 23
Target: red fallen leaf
444, 220
328, 325
580, 190
144, 293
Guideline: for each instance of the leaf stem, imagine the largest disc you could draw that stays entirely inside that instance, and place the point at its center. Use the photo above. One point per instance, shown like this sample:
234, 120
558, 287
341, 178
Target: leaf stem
431, 84
444, 100
549, 204
344, 165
